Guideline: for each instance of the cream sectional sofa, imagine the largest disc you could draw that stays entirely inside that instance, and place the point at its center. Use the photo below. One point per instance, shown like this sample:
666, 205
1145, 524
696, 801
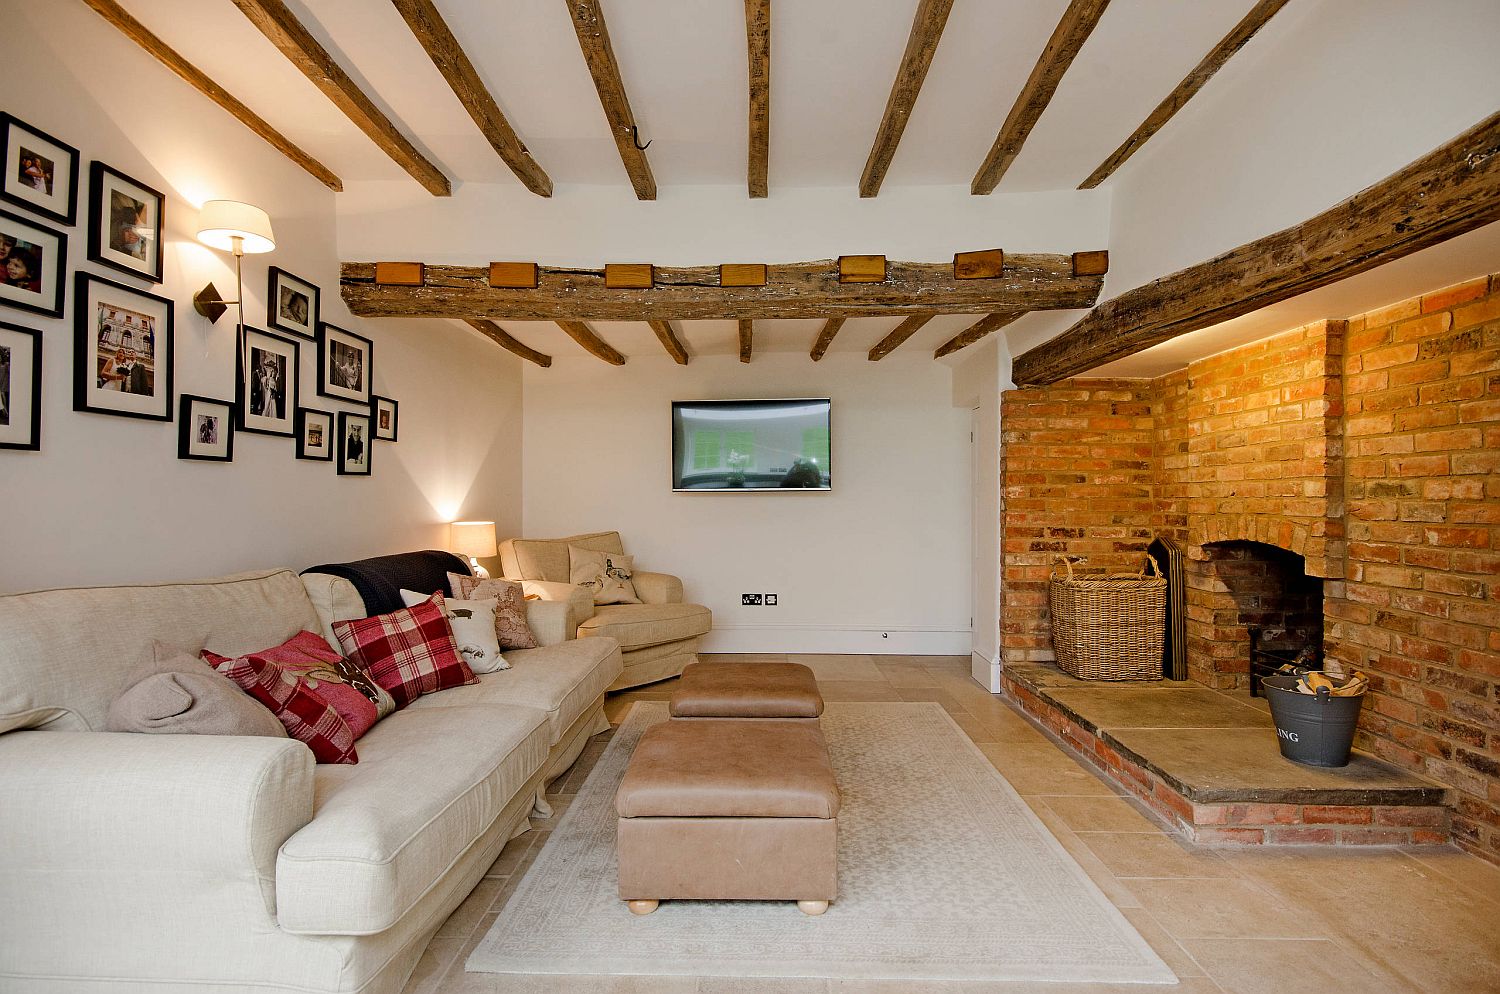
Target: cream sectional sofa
232, 864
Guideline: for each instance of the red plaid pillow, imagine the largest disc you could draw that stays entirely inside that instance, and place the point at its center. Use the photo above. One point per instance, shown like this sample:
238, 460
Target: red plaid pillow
307, 656
307, 716
410, 652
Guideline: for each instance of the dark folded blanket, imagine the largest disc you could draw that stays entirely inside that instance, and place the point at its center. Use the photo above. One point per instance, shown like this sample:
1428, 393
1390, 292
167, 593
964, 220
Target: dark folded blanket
381, 579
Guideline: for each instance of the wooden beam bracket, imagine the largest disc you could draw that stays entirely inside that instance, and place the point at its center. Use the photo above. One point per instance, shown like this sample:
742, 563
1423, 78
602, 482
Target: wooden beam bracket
742, 274
862, 269
515, 275
986, 264
399, 273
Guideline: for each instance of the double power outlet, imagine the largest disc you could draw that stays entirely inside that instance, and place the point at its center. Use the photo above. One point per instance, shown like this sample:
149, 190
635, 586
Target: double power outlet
757, 600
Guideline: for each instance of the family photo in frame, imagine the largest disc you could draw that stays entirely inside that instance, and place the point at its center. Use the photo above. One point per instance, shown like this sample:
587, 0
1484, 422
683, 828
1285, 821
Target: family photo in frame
20, 388
314, 434
40, 172
292, 304
344, 364
205, 429
33, 264
354, 444
122, 350
385, 411
125, 223
267, 390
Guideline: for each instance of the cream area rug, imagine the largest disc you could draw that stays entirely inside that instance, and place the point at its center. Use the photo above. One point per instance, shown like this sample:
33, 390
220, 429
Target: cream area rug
944, 874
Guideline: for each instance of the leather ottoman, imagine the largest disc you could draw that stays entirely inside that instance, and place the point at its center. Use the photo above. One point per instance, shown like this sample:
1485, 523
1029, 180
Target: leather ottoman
730, 810
747, 690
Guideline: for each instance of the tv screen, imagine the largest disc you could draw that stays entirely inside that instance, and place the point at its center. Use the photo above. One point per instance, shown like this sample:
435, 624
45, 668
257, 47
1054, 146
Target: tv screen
735, 445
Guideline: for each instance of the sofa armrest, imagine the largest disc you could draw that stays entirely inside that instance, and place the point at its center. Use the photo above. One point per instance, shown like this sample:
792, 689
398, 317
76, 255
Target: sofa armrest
548, 621
657, 588
580, 601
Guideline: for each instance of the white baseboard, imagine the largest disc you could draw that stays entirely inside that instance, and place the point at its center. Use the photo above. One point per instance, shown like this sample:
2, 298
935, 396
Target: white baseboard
985, 671
837, 640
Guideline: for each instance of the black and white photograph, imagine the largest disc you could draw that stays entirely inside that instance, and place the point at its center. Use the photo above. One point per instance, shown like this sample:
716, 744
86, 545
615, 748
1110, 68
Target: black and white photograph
125, 223
205, 429
354, 444
344, 364
33, 260
314, 434
293, 304
384, 411
41, 172
122, 349
267, 395
20, 388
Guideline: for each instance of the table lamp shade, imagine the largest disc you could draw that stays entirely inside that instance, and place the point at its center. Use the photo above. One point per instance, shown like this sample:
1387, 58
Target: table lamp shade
221, 221
475, 539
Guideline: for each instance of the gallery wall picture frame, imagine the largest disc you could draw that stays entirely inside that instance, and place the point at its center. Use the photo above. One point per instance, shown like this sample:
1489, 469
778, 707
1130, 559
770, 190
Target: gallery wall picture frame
266, 366
345, 363
315, 438
125, 223
354, 444
205, 429
122, 350
293, 304
20, 388
384, 412
40, 171
33, 265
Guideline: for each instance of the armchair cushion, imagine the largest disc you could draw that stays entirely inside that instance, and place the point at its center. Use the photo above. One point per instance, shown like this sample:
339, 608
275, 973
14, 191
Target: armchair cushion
638, 625
547, 558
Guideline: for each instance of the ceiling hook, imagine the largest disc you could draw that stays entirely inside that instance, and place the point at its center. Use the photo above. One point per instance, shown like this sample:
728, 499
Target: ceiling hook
635, 138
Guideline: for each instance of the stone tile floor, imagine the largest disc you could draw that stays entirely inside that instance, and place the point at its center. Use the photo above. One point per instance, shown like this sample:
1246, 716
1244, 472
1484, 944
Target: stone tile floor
1247, 920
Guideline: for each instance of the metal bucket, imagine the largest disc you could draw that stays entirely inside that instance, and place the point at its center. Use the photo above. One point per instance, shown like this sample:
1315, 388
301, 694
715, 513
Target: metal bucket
1311, 730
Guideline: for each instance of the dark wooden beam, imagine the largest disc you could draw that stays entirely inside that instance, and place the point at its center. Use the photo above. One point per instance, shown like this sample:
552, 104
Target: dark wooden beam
288, 34
747, 332
898, 335
793, 290
502, 338
1072, 31
758, 44
1447, 192
825, 337
195, 77
926, 30
669, 341
1190, 85
593, 39
591, 342
448, 56
977, 331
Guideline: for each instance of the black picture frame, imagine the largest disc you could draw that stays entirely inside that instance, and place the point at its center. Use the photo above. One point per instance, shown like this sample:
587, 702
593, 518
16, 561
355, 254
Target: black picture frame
378, 406
120, 207
40, 248
20, 376
354, 427
282, 306
191, 442
337, 348
52, 192
321, 449
100, 345
256, 371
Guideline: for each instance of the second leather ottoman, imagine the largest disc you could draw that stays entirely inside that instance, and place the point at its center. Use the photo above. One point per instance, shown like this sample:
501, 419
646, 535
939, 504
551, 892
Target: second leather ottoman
747, 690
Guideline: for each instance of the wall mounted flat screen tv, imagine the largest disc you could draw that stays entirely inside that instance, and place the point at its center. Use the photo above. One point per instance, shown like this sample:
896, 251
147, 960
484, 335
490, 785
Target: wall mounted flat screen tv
738, 445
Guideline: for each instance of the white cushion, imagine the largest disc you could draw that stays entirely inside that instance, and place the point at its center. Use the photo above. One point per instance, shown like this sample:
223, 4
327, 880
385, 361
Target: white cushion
472, 623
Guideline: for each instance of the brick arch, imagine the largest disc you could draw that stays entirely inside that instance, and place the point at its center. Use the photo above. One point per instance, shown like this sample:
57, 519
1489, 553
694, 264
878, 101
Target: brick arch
1306, 540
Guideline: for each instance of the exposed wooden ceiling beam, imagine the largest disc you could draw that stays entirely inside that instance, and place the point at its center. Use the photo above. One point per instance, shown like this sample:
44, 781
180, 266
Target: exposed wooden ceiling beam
288, 34
448, 56
793, 290
1072, 31
758, 44
169, 57
591, 342
502, 338
898, 335
977, 331
593, 39
825, 337
1190, 85
1451, 190
747, 332
669, 341
926, 29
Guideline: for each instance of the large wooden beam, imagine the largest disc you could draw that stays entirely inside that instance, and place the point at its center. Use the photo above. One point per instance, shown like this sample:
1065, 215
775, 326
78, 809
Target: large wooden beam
669, 341
926, 29
747, 334
825, 337
448, 56
758, 45
1072, 31
593, 39
1190, 85
898, 335
169, 57
793, 290
1447, 192
502, 338
591, 342
288, 34
977, 331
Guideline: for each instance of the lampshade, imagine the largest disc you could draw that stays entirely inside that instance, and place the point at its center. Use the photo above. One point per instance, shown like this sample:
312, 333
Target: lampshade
472, 538
221, 221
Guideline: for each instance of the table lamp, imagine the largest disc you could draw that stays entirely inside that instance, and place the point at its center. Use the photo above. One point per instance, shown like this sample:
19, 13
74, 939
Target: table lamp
473, 539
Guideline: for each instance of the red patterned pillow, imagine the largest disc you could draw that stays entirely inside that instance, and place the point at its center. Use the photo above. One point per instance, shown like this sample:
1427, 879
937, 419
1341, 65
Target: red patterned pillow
308, 657
409, 653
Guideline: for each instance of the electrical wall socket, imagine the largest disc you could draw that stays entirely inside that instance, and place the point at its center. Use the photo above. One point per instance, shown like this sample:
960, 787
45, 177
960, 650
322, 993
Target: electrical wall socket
770, 600
748, 600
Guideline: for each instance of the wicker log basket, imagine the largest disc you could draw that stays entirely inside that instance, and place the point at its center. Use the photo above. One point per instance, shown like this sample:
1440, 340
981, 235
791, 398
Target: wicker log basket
1109, 627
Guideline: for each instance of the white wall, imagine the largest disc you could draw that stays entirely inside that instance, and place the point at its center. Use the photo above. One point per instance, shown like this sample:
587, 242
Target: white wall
880, 564
106, 499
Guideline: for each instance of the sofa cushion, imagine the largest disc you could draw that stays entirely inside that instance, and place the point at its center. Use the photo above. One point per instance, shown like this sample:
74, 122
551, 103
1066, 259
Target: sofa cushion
547, 558
180, 694
511, 628
636, 625
562, 680
409, 652
429, 782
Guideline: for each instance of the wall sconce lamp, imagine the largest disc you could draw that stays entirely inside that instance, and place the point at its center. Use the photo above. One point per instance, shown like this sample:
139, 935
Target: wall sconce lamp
230, 226
473, 539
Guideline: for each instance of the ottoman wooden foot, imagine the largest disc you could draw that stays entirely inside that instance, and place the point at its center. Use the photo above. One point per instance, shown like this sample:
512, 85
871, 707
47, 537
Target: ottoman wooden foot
646, 907
812, 907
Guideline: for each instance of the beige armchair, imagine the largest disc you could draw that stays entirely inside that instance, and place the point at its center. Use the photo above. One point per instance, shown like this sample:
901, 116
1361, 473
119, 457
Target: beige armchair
657, 638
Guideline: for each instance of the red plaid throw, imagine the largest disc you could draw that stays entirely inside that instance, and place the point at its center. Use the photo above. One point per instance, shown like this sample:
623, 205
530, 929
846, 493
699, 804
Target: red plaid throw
307, 716
410, 652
